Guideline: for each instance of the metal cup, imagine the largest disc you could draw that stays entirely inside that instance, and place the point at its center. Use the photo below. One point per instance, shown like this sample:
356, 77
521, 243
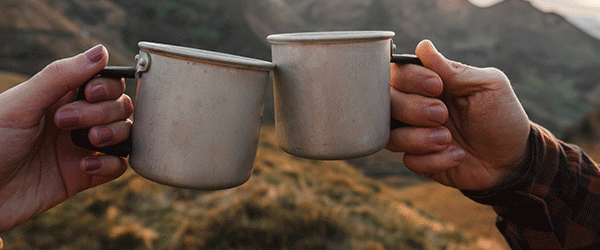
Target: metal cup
332, 92
197, 116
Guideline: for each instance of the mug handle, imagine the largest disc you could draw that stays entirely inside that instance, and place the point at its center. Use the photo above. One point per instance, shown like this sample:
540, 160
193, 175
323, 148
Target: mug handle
403, 59
80, 138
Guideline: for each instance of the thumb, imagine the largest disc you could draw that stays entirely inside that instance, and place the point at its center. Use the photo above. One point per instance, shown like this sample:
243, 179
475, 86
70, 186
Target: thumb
459, 79
57, 79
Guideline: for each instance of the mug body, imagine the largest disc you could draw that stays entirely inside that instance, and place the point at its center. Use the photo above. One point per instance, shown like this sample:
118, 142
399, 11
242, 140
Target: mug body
332, 96
197, 117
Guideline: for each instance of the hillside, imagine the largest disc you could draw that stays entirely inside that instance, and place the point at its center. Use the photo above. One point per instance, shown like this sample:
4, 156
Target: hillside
586, 134
289, 203
451, 206
34, 33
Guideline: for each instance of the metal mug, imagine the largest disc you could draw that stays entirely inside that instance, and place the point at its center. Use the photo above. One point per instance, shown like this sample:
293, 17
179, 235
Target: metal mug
196, 119
332, 92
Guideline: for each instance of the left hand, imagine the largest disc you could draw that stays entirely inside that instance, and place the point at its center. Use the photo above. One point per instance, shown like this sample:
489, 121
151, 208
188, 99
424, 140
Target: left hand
40, 166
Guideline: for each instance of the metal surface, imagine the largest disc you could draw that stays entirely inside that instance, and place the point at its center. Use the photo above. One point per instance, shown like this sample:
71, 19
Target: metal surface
332, 96
197, 117
142, 60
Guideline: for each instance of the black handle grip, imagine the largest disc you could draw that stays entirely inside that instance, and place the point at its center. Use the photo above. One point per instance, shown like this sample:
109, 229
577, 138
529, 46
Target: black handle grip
79, 137
406, 59
403, 59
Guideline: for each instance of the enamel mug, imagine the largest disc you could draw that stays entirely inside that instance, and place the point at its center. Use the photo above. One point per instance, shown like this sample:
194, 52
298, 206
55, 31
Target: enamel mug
197, 116
332, 92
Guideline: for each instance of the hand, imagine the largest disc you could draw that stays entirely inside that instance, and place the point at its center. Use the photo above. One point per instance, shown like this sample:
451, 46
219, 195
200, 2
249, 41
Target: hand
466, 129
40, 166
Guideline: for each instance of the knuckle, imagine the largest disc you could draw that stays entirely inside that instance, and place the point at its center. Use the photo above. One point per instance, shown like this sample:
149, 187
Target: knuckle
497, 74
56, 69
106, 114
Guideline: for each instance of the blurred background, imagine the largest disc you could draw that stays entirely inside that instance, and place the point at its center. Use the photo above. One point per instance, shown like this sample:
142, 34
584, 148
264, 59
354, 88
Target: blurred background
550, 50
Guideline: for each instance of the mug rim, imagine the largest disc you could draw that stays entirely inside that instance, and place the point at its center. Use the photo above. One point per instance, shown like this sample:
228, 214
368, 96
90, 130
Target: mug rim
330, 36
205, 56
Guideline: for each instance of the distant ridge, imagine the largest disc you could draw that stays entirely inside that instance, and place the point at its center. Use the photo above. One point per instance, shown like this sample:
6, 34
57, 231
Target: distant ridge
553, 65
588, 24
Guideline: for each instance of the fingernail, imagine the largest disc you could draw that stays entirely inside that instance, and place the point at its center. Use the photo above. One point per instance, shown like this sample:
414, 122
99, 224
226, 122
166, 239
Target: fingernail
440, 136
105, 134
432, 85
67, 118
91, 164
458, 154
437, 114
98, 92
95, 54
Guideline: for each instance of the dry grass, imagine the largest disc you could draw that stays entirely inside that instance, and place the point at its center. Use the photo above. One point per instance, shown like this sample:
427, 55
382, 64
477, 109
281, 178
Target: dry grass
450, 205
289, 203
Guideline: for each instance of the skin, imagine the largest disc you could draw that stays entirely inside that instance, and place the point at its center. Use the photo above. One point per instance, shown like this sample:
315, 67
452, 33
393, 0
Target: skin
40, 166
467, 128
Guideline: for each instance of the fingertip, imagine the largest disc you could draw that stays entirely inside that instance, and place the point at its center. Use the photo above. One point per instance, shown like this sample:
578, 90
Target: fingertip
428, 164
96, 53
433, 86
433, 59
426, 44
59, 77
103, 165
457, 154
110, 134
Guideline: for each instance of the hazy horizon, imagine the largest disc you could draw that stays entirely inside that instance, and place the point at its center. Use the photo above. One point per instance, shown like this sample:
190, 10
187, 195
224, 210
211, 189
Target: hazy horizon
583, 13
589, 8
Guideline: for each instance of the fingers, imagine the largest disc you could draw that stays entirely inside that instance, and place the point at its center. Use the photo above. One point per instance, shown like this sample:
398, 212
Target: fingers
417, 110
58, 78
459, 79
82, 114
419, 140
27, 102
414, 79
102, 89
106, 135
102, 168
413, 95
435, 162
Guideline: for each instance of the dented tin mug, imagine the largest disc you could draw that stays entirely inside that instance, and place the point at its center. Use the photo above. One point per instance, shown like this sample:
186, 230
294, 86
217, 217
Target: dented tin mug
196, 119
332, 92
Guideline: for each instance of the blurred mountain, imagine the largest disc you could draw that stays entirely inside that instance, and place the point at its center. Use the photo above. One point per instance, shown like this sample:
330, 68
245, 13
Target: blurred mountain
552, 63
585, 133
34, 33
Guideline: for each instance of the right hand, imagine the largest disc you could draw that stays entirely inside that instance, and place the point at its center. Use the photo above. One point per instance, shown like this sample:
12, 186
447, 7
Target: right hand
466, 129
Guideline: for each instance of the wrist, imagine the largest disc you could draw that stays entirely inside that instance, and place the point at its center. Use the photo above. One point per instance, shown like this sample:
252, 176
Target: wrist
518, 168
518, 179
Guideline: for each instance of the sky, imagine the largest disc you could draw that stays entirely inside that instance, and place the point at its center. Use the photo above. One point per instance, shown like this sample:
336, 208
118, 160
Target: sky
582, 13
589, 8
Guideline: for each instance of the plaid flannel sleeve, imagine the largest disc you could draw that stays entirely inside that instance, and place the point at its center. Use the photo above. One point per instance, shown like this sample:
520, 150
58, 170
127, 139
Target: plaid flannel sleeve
555, 204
